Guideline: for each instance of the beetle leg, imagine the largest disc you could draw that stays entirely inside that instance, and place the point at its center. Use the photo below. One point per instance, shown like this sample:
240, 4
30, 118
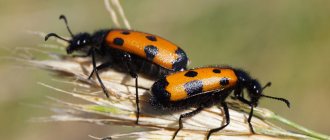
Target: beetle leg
97, 74
128, 60
189, 114
243, 100
249, 119
225, 107
100, 67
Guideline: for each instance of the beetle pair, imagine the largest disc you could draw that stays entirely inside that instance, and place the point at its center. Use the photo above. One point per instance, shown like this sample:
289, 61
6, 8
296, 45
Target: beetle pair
137, 52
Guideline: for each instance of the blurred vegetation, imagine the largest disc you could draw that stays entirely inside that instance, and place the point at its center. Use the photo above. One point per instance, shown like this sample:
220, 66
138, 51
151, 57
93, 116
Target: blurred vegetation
285, 42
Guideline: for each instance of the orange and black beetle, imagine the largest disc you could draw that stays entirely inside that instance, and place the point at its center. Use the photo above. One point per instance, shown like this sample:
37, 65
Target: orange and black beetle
129, 51
204, 87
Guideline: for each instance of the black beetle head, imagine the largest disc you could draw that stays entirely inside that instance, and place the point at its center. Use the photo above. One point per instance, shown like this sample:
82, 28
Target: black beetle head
254, 90
79, 42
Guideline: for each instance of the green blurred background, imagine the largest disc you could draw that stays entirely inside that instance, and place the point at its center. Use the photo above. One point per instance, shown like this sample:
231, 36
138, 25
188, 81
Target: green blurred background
285, 42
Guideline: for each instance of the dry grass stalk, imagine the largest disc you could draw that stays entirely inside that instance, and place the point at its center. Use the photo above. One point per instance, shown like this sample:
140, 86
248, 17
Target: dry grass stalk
120, 108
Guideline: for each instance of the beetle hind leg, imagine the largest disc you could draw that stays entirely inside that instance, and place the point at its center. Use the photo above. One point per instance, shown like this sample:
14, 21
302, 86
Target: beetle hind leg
186, 115
225, 107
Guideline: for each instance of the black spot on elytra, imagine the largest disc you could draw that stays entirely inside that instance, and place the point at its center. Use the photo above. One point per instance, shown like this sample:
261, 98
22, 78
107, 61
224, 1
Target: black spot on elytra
191, 73
151, 38
159, 92
151, 51
193, 87
181, 62
216, 70
118, 41
125, 33
224, 81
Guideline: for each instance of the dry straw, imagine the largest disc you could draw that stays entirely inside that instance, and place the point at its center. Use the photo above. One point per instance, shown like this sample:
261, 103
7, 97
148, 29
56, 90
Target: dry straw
120, 108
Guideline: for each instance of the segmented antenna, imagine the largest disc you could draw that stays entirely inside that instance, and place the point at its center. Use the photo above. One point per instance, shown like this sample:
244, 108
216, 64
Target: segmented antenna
276, 98
55, 35
66, 23
267, 85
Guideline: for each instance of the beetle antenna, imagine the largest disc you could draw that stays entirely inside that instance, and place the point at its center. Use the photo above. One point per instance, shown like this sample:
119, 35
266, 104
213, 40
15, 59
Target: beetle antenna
66, 23
267, 85
55, 35
276, 98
